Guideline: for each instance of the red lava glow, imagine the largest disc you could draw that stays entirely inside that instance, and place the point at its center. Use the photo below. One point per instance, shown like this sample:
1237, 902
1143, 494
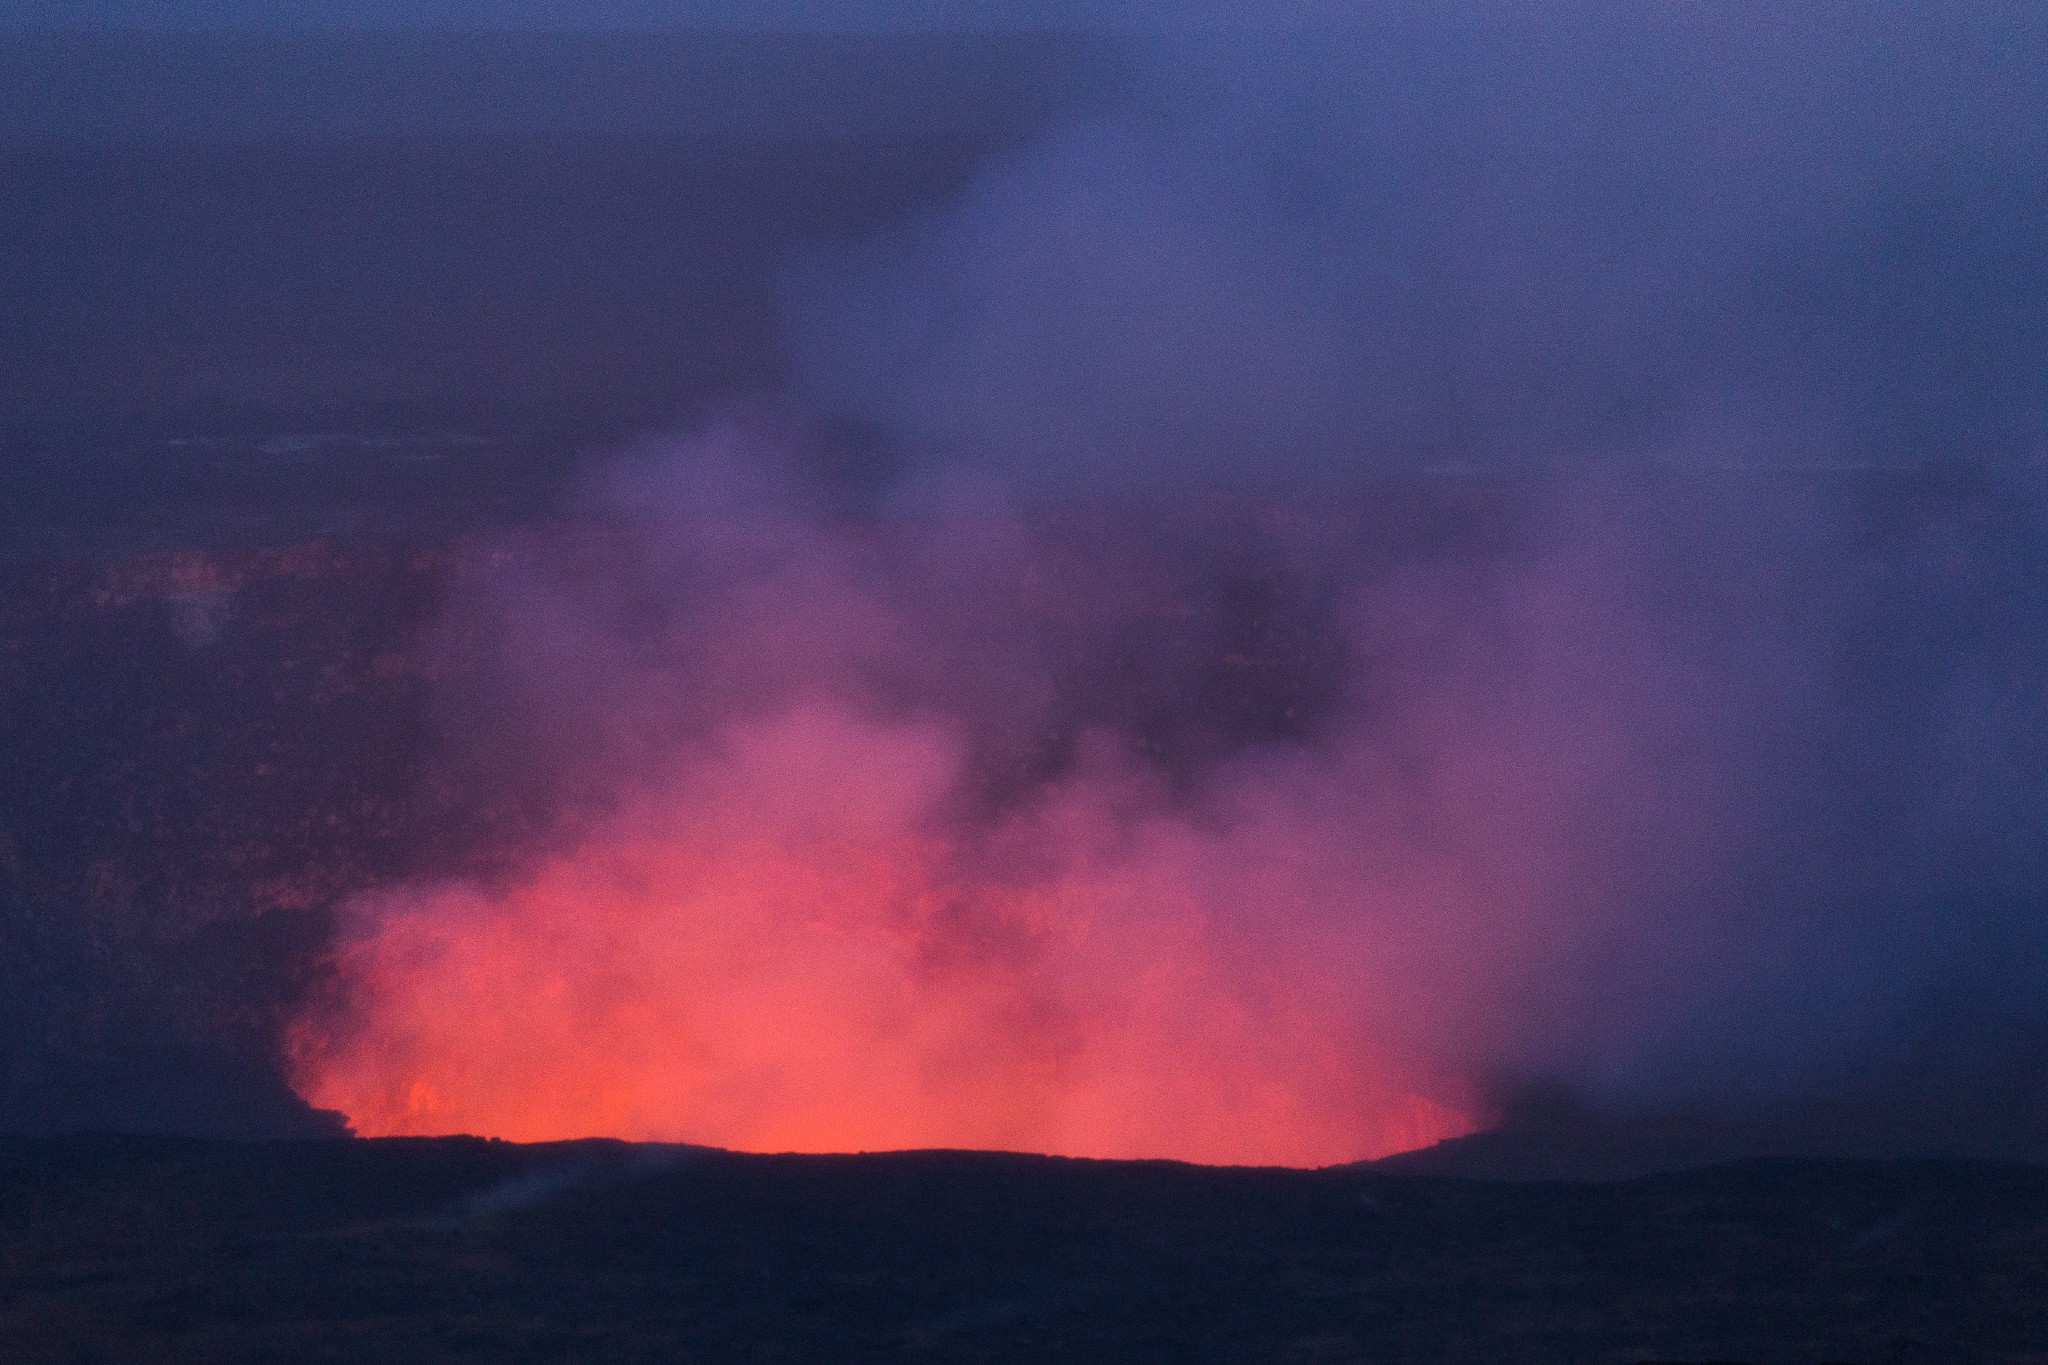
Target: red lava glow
789, 947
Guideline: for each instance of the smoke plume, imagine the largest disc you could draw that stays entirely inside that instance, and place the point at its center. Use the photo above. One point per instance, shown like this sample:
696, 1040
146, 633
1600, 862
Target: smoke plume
1393, 571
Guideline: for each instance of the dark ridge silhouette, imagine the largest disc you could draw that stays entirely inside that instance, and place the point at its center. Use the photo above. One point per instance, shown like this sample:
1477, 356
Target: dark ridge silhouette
461, 1249
1552, 1134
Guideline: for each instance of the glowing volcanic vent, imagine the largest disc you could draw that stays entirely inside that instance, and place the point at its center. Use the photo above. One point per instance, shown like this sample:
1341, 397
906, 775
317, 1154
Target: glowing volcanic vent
778, 954
793, 918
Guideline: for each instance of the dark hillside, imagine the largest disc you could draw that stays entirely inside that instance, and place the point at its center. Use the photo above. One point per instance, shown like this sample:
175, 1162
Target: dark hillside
459, 1249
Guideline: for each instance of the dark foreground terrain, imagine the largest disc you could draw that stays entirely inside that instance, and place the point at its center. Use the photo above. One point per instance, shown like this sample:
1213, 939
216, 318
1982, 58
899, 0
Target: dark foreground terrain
461, 1249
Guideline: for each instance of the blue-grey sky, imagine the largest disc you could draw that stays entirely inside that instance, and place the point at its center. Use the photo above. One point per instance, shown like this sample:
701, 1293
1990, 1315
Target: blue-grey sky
792, 14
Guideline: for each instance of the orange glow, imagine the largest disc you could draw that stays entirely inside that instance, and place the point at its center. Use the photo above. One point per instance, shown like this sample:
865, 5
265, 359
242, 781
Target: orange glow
780, 950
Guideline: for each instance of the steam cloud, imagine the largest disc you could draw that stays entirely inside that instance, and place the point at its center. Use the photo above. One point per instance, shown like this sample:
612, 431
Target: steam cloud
1489, 556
